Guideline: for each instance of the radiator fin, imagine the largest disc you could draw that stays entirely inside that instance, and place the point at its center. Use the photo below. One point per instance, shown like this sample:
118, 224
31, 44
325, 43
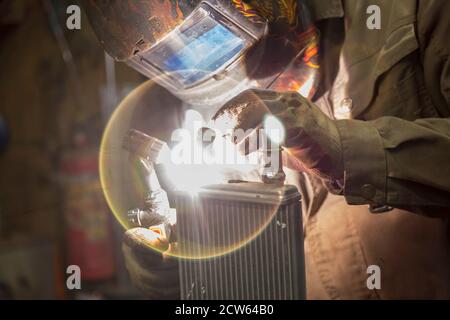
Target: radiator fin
271, 266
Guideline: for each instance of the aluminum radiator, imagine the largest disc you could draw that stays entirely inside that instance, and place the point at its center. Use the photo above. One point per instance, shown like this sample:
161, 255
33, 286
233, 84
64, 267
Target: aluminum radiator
269, 265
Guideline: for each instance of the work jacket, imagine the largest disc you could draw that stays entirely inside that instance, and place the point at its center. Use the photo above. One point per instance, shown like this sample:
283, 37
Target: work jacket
389, 89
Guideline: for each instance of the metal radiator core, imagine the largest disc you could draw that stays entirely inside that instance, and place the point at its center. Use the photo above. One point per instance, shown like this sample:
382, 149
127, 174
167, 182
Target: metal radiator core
269, 266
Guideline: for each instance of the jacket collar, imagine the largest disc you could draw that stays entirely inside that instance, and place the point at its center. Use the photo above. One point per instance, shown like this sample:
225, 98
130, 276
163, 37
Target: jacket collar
325, 9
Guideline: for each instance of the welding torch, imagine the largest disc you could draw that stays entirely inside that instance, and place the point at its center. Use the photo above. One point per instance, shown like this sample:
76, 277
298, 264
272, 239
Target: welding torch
156, 213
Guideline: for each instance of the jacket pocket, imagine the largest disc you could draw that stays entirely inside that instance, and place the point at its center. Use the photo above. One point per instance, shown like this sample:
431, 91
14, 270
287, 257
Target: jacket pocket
365, 74
401, 92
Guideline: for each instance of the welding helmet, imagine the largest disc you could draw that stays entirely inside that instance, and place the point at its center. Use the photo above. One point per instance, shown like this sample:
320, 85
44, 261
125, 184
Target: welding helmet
206, 52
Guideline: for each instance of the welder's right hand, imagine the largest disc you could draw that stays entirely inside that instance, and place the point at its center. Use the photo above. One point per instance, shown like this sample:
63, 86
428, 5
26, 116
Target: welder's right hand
153, 272
312, 141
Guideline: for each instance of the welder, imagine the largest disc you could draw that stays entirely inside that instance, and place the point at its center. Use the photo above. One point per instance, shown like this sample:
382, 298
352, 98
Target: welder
367, 114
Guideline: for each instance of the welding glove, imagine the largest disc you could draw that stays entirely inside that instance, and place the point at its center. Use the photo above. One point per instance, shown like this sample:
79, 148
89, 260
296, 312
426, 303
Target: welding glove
312, 142
153, 272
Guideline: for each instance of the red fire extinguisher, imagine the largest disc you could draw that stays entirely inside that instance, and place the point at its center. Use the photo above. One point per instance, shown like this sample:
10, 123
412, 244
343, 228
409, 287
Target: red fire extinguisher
88, 229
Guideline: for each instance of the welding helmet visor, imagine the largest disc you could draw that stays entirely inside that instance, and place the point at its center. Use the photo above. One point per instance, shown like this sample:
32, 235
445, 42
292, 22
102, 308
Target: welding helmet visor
198, 50
202, 59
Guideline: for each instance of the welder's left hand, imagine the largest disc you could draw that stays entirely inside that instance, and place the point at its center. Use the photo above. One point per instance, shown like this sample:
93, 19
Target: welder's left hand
149, 264
312, 139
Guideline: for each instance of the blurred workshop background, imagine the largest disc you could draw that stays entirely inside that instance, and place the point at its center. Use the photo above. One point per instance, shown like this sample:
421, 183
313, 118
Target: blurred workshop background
57, 90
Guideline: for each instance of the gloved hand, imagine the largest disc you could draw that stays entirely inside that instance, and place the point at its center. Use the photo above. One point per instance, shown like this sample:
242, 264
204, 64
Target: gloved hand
156, 274
312, 139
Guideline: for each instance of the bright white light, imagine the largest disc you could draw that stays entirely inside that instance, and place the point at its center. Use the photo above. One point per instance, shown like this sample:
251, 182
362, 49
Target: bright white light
274, 129
306, 88
192, 119
164, 155
190, 165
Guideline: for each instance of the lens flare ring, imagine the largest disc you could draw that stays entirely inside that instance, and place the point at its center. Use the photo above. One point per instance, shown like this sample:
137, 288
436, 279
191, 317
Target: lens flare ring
118, 184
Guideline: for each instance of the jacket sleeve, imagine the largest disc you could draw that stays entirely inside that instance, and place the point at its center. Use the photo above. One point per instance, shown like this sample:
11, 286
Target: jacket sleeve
391, 161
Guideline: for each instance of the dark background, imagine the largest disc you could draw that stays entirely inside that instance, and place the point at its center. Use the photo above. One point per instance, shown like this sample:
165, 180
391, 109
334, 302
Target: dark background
57, 90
